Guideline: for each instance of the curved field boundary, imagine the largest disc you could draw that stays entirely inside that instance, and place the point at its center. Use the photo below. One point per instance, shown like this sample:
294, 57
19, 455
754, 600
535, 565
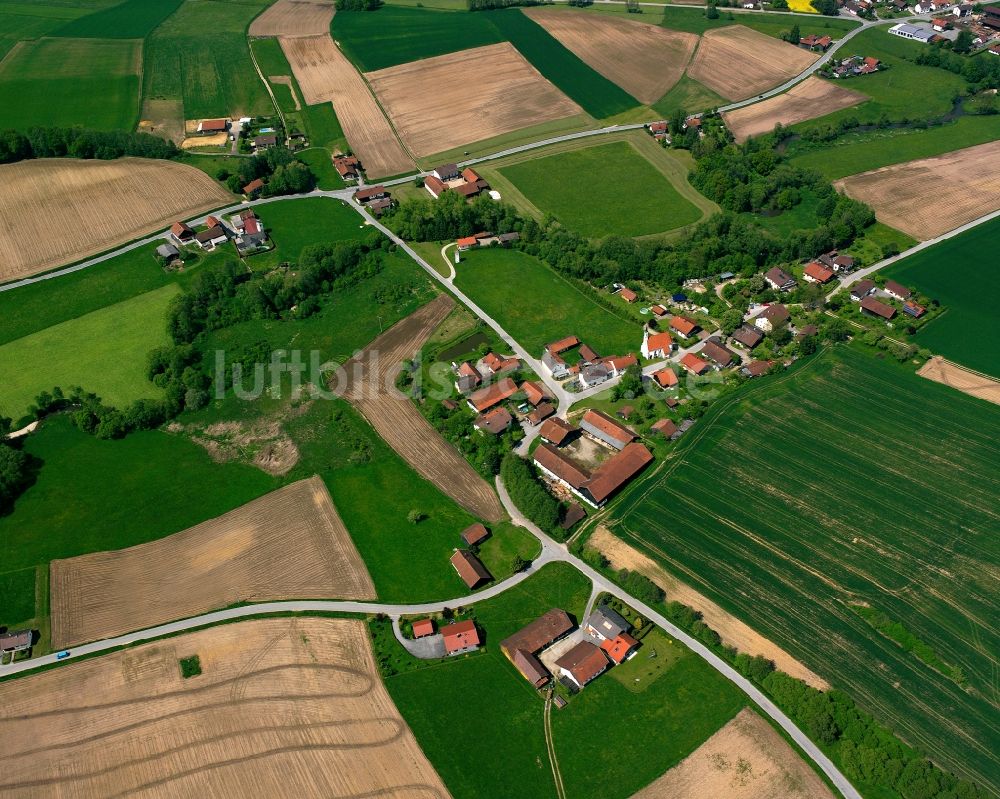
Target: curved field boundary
370, 387
287, 544
312, 719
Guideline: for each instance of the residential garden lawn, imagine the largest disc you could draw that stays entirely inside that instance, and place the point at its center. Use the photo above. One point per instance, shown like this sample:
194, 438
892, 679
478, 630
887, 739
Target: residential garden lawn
962, 275
853, 153
200, 56
639, 202
538, 306
693, 20
319, 161
407, 34
17, 597
103, 351
687, 95
870, 248
93, 83
594, 93
908, 530
133, 19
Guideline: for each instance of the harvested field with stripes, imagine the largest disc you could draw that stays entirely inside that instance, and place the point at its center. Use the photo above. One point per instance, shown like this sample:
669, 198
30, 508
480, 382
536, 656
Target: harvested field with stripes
738, 62
285, 545
951, 374
850, 482
60, 210
370, 387
295, 18
962, 190
440, 103
325, 75
645, 60
810, 99
282, 707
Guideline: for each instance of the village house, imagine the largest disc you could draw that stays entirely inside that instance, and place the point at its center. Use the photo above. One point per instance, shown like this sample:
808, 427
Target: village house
422, 628
665, 378
748, 337
684, 326
602, 427
597, 488
941, 24
369, 194
716, 352
181, 233
897, 290
462, 636
468, 378
815, 272
522, 648
666, 428
862, 289
448, 177
582, 663
557, 431
265, 142
495, 421
470, 568
605, 623
657, 310
534, 392
551, 356
347, 166
627, 294
209, 127
962, 10
912, 309
254, 187
695, 365
840, 264
617, 364
485, 398
771, 318
475, 534
756, 368
873, 307
593, 374
250, 232
14, 641
541, 413
212, 237
494, 364
814, 42
779, 280
657, 345
168, 252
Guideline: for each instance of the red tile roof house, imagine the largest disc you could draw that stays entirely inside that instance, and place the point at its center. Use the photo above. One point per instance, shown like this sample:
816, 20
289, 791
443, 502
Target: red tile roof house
657, 310
556, 431
614, 474
815, 272
582, 663
347, 166
779, 280
181, 233
475, 534
666, 378
684, 326
495, 364
771, 318
914, 310
657, 345
460, 637
484, 399
551, 356
211, 238
604, 428
666, 428
719, 354
541, 413
210, 126
757, 368
619, 363
468, 378
494, 422
897, 290
873, 307
422, 628
522, 647
534, 392
695, 365
628, 295
470, 568
467, 243
621, 648
254, 187
369, 193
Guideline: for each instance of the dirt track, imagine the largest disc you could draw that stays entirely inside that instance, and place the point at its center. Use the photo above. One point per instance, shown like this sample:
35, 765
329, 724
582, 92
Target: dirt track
810, 99
370, 388
441, 103
289, 544
325, 75
295, 18
283, 707
733, 631
59, 210
941, 371
645, 60
738, 62
930, 196
746, 759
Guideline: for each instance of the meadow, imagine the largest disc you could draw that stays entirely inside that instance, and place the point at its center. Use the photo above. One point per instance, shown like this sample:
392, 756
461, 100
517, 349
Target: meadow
861, 152
199, 56
693, 20
849, 481
687, 95
30, 20
92, 83
538, 306
103, 351
962, 275
133, 19
651, 729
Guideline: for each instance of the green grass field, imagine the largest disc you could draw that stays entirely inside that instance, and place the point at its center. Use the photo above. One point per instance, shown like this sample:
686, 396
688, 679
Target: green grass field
687, 95
30, 20
848, 480
318, 160
200, 56
960, 273
639, 200
628, 737
409, 34
538, 306
693, 20
103, 351
860, 152
93, 83
133, 19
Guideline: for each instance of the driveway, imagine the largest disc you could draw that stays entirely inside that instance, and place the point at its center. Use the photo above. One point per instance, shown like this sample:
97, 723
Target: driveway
430, 647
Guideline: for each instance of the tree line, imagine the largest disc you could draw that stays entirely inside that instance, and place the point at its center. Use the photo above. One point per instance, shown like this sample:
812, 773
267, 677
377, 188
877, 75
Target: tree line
15, 467
534, 501
60, 142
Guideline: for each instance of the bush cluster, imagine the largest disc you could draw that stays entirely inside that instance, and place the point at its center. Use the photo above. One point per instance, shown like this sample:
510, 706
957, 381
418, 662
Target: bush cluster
56, 142
281, 172
529, 494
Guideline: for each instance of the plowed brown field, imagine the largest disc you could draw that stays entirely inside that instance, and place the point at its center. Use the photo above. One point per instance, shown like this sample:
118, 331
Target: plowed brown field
746, 759
965, 380
288, 544
59, 210
440, 103
810, 99
370, 381
962, 184
295, 18
645, 60
283, 707
325, 75
738, 62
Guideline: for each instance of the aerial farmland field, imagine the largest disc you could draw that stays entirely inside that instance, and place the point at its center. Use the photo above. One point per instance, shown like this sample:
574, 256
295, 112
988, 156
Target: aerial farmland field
966, 280
92, 83
133, 19
850, 483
